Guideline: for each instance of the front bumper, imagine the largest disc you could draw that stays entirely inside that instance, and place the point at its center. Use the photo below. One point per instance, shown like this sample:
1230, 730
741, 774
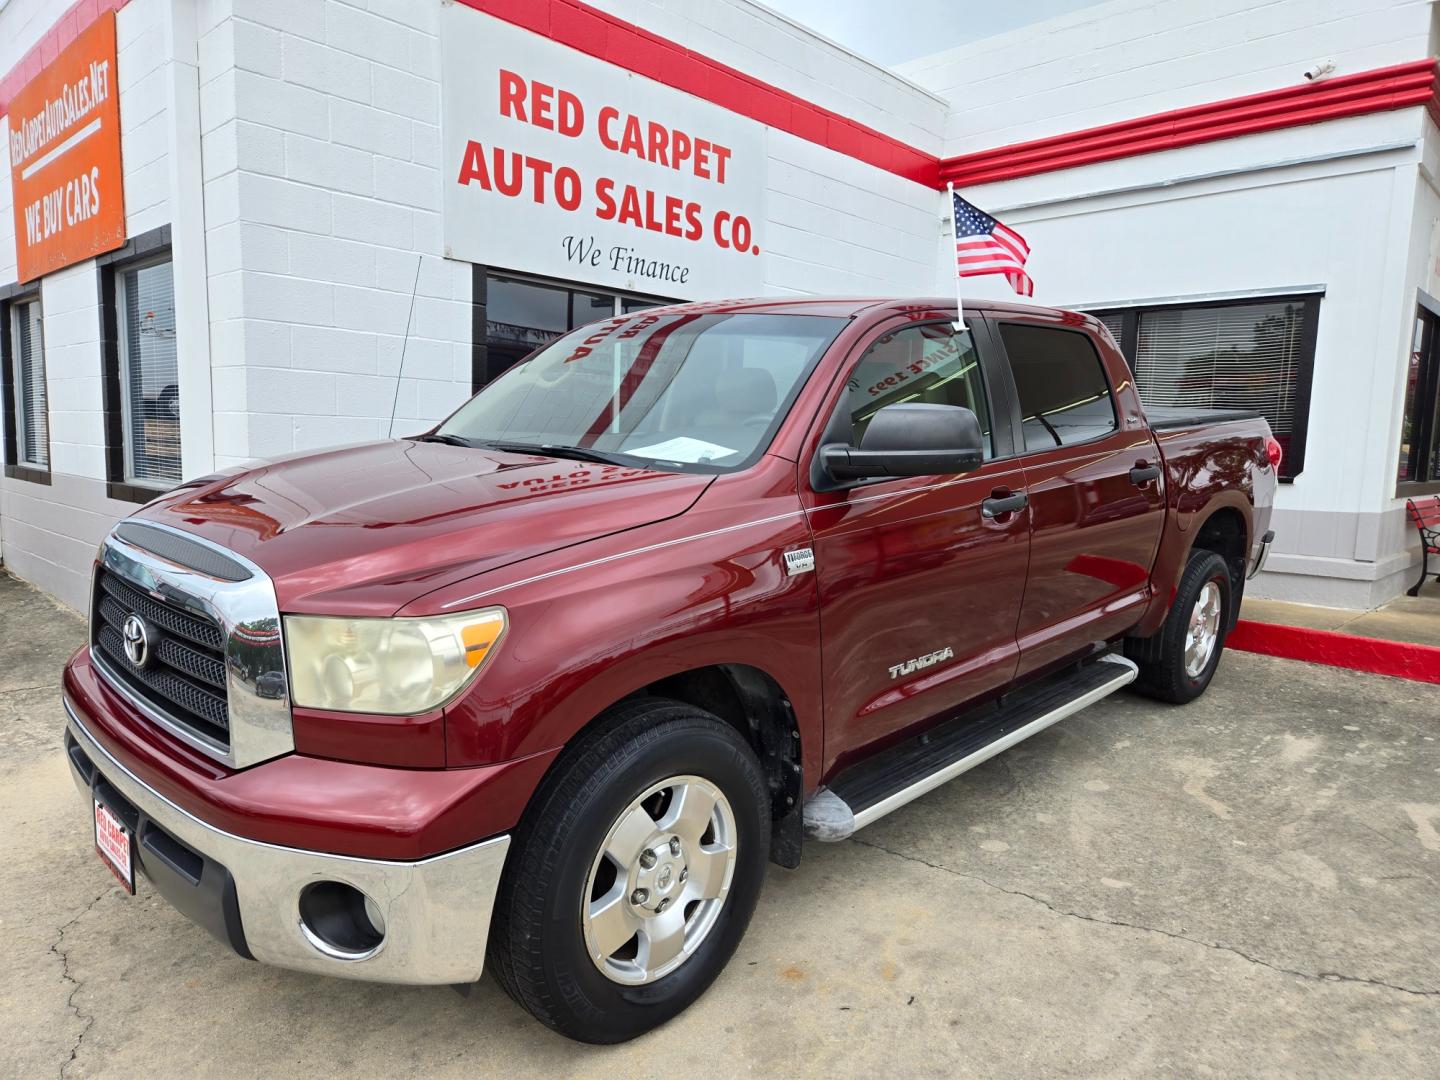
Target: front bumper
436, 911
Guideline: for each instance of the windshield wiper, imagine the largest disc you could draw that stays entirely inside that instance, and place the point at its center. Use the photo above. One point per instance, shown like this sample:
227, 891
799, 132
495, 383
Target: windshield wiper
447, 439
577, 453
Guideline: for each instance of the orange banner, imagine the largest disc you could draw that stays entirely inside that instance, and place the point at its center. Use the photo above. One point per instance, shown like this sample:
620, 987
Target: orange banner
65, 156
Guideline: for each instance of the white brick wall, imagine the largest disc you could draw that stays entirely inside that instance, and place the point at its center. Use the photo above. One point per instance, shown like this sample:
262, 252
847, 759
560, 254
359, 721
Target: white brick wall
144, 126
322, 187
48, 534
1130, 58
72, 369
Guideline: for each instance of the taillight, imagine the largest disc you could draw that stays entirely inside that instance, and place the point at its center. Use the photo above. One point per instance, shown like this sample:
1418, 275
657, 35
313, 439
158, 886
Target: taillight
1274, 452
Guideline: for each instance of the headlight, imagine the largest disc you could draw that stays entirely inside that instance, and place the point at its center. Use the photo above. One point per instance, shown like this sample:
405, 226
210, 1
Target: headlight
391, 666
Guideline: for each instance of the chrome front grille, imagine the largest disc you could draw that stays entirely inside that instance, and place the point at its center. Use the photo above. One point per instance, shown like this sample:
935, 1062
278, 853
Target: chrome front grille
123, 598
185, 672
195, 645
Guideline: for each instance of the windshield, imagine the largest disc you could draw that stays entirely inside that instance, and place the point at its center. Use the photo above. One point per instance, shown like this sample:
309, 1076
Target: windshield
692, 391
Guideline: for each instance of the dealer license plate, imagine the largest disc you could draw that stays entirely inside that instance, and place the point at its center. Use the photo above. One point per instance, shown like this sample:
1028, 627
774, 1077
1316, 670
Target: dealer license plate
115, 845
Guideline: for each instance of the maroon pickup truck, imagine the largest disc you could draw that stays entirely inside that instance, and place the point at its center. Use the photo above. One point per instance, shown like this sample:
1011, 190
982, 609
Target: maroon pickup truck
552, 682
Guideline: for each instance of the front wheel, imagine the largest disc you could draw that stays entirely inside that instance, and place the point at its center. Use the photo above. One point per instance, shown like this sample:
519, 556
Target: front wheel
635, 873
1179, 666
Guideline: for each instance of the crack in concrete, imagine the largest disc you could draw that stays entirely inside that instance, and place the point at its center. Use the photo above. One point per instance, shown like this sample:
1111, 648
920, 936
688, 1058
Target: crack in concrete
1320, 976
22, 689
86, 1019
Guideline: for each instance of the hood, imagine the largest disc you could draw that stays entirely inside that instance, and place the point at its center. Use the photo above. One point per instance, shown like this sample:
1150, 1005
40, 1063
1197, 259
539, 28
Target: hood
364, 530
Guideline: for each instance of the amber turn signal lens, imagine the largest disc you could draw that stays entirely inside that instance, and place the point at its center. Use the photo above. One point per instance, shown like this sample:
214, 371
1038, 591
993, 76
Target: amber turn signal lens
478, 639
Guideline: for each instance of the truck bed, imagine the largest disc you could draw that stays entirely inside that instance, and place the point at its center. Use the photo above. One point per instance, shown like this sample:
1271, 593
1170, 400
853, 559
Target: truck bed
1171, 417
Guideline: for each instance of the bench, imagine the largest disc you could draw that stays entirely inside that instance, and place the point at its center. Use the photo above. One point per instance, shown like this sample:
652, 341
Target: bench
1425, 514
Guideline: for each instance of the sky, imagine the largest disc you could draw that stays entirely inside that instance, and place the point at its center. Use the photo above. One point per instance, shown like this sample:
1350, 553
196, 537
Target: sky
894, 31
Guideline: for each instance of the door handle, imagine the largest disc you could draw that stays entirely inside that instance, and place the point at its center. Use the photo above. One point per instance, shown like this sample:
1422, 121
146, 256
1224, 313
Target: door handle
996, 506
1143, 474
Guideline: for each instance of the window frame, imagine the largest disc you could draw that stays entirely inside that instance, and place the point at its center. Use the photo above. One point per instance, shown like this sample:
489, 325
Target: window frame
147, 248
12, 297
1129, 343
480, 274
1017, 417
1426, 436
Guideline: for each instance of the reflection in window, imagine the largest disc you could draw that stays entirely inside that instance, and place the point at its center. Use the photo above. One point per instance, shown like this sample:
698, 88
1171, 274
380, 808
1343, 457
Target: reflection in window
149, 374
1064, 395
683, 390
32, 420
1420, 422
929, 364
521, 316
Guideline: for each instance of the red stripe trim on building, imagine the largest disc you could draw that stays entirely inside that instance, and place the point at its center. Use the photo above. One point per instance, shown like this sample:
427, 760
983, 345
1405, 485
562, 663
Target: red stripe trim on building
625, 45
1419, 663
1380, 90
61, 33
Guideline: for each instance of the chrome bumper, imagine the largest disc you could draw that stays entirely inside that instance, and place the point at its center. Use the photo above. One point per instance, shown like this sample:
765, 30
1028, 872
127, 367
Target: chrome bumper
1265, 542
436, 911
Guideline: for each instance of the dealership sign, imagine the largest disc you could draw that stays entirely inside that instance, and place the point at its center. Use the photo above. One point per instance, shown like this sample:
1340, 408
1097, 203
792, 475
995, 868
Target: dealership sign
560, 164
64, 148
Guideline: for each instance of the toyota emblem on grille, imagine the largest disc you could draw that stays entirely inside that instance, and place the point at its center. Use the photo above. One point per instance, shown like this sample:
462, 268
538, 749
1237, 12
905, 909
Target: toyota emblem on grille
137, 640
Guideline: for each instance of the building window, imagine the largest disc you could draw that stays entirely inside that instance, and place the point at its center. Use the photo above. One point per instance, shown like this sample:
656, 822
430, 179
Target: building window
515, 316
27, 450
32, 415
1420, 423
1064, 396
1243, 354
148, 374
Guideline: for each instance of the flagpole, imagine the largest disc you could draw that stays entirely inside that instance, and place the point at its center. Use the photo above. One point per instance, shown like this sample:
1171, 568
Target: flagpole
960, 326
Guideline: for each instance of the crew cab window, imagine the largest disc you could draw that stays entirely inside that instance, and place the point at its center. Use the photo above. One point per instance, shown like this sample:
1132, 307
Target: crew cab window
931, 364
1064, 395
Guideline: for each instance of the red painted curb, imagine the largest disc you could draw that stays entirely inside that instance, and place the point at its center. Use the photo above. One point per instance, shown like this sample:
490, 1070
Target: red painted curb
1402, 659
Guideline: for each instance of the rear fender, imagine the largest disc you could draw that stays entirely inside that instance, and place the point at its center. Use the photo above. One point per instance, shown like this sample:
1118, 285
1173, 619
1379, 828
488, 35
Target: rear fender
1207, 470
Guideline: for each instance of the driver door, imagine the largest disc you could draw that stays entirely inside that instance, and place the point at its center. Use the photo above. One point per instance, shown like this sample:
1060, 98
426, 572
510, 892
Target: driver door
920, 590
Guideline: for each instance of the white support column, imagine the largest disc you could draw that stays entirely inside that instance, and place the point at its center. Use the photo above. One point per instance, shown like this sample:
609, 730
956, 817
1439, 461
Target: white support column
187, 232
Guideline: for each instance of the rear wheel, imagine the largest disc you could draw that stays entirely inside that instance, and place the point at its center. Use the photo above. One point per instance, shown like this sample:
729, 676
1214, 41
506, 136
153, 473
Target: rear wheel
1179, 666
634, 876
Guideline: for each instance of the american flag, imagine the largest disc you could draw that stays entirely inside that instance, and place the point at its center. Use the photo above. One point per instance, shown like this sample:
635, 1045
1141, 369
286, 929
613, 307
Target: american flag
984, 246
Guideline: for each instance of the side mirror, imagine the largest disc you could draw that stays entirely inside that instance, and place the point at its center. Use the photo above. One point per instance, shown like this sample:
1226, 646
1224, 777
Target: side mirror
912, 439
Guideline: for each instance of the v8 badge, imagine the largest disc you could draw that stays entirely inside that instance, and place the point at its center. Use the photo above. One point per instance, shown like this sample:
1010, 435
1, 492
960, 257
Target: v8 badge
799, 561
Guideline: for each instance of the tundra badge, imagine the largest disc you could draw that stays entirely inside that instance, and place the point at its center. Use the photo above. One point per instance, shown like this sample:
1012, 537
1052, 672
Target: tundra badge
919, 662
799, 561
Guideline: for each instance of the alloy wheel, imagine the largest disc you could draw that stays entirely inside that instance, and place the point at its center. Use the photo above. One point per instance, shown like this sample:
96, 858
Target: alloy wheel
659, 881
1203, 630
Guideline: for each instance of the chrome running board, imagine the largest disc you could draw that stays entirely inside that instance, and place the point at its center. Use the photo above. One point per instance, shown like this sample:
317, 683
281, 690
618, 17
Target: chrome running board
868, 791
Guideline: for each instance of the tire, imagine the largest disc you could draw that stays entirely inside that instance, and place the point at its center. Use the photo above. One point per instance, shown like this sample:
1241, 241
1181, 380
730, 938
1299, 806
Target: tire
545, 933
1164, 673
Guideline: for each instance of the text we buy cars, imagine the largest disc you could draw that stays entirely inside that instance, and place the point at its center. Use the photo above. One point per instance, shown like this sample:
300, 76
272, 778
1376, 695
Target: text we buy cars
64, 149
532, 177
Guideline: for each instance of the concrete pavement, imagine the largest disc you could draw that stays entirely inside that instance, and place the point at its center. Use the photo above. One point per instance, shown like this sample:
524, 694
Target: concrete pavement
1242, 887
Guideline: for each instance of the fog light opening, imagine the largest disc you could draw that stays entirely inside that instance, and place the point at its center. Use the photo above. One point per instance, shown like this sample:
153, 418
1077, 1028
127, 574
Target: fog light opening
341, 921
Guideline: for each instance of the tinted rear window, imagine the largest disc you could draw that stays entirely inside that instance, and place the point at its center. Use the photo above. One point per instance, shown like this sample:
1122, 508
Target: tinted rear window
1064, 395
